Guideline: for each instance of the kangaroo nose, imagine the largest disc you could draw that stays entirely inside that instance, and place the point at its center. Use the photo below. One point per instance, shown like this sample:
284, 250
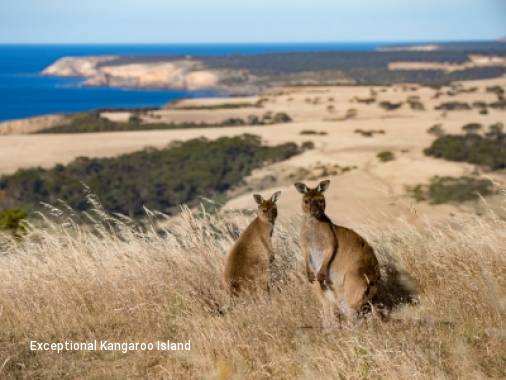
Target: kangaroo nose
314, 208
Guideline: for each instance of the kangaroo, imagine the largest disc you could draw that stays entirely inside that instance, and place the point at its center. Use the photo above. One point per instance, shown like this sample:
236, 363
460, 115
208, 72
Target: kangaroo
247, 264
342, 262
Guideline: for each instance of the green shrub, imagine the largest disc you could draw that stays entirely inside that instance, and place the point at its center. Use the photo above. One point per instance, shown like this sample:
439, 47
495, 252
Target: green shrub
389, 106
471, 127
159, 179
12, 220
495, 131
312, 132
453, 106
497, 90
368, 101
479, 104
415, 104
436, 130
369, 132
351, 113
307, 145
488, 150
451, 189
385, 156
499, 105
281, 117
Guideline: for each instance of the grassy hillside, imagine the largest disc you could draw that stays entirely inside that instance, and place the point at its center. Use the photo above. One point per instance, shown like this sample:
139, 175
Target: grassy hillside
160, 179
64, 282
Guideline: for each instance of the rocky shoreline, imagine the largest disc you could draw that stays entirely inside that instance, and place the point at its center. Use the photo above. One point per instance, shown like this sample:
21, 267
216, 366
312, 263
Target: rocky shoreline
177, 74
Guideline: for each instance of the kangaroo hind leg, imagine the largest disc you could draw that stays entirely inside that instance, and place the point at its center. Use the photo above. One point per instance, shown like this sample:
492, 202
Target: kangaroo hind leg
355, 294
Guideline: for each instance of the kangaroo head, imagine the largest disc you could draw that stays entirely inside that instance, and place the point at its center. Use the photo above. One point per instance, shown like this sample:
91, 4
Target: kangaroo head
313, 200
267, 209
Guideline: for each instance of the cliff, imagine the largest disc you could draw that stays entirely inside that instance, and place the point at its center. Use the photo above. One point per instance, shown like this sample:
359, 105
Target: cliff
101, 71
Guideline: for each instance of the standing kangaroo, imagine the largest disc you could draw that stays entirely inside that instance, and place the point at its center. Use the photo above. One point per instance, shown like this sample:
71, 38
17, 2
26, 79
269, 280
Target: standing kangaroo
342, 262
247, 264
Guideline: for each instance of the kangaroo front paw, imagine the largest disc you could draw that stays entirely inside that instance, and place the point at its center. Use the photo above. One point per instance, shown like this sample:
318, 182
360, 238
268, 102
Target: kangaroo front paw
322, 277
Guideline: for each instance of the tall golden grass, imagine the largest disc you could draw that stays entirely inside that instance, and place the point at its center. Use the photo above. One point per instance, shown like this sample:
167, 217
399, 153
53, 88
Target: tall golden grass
444, 286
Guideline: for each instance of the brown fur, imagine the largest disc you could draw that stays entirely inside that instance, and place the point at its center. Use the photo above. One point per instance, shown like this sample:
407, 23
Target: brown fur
247, 265
342, 262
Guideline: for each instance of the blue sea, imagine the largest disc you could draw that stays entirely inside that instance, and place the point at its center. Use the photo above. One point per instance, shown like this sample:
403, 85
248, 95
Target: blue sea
24, 92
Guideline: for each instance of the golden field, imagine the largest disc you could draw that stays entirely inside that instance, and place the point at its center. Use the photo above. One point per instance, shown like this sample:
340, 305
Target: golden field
444, 290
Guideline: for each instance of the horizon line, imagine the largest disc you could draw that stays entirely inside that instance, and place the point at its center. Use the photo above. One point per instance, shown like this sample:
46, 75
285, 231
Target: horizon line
262, 42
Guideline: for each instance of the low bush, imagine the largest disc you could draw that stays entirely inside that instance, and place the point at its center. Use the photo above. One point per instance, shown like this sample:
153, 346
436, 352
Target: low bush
369, 100
453, 106
12, 220
312, 132
471, 127
307, 145
497, 90
499, 105
451, 189
389, 106
385, 156
369, 132
436, 130
488, 150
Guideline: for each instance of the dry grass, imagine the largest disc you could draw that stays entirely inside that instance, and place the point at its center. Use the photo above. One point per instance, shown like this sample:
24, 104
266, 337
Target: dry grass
67, 282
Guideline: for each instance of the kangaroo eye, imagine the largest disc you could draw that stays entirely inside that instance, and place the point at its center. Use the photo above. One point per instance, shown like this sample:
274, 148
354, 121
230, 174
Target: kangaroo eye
306, 201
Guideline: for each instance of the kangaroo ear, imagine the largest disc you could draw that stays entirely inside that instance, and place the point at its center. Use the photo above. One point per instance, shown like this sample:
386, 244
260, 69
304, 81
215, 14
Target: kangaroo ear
301, 188
258, 198
275, 196
323, 185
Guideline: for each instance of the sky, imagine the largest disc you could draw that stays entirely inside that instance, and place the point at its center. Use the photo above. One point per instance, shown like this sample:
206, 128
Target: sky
249, 21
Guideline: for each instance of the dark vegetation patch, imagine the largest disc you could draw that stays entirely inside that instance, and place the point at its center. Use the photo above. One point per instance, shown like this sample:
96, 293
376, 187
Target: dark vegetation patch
457, 90
390, 106
498, 105
453, 106
351, 113
364, 100
479, 104
312, 132
487, 150
497, 90
369, 132
317, 171
471, 127
307, 145
88, 122
12, 220
385, 156
415, 103
159, 179
436, 130
258, 104
451, 189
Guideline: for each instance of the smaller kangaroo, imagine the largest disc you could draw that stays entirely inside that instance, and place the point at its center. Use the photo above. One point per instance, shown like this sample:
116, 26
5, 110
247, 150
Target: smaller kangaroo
341, 260
247, 264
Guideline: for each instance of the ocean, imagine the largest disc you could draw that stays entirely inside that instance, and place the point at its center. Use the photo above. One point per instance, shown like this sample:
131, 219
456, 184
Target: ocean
24, 92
